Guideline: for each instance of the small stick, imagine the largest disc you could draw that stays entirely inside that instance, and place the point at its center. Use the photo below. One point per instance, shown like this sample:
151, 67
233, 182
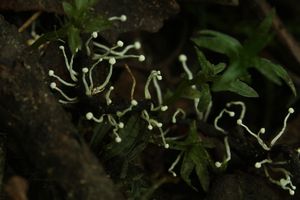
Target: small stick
133, 81
284, 36
29, 21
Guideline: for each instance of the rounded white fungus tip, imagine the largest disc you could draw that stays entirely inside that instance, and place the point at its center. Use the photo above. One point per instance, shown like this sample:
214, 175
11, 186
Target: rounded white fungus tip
218, 164
142, 58
118, 139
123, 18
262, 130
167, 146
159, 124
291, 110
121, 125
85, 70
95, 34
182, 58
89, 116
257, 165
159, 77
292, 192
150, 127
61, 47
134, 102
112, 61
239, 121
137, 45
164, 108
120, 43
111, 88
283, 182
51, 72
53, 85
231, 114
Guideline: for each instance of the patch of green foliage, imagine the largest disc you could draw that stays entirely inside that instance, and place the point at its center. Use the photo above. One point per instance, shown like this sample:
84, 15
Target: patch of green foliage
242, 57
195, 158
235, 76
80, 18
208, 78
202, 79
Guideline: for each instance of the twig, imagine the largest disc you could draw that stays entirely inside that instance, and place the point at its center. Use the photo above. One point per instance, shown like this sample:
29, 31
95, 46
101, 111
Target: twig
29, 21
284, 36
133, 81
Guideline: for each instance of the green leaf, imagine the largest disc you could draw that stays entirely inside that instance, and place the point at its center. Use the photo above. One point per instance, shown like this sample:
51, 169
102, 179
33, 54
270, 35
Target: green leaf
74, 39
236, 86
191, 93
199, 156
92, 2
219, 68
274, 72
81, 4
195, 157
129, 135
98, 134
193, 137
260, 37
51, 36
266, 68
96, 23
242, 89
206, 66
218, 42
205, 98
187, 168
69, 10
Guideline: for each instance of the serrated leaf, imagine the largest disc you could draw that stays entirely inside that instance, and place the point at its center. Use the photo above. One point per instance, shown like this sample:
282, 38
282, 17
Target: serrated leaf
96, 23
218, 42
274, 72
199, 156
191, 93
205, 98
81, 4
92, 2
193, 137
51, 36
206, 66
265, 67
129, 136
260, 37
219, 68
98, 134
74, 39
280, 71
195, 157
242, 89
187, 168
237, 87
69, 10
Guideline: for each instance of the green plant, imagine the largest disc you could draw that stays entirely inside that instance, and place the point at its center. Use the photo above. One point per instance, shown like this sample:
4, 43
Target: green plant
80, 19
194, 157
127, 121
242, 57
